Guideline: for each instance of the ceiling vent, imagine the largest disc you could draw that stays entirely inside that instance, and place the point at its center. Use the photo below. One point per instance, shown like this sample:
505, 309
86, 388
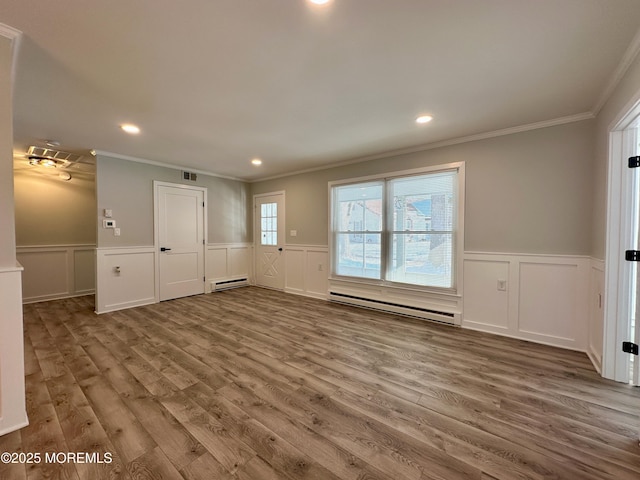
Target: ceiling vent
189, 176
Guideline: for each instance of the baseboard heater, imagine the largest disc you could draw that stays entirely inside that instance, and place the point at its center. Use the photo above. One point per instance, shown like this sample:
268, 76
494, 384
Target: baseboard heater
227, 284
406, 310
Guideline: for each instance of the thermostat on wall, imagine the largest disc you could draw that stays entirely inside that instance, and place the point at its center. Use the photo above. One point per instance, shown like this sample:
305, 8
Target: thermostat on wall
108, 223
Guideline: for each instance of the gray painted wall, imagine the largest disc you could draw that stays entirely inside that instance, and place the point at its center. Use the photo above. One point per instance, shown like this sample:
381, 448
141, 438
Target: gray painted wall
626, 90
50, 211
525, 193
127, 188
7, 218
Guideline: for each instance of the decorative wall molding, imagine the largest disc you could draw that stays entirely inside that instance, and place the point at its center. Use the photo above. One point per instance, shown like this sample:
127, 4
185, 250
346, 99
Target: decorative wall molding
13, 412
56, 271
125, 278
540, 298
307, 270
228, 265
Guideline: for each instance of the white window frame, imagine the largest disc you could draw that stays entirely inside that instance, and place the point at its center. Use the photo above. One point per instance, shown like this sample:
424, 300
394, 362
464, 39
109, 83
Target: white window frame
458, 231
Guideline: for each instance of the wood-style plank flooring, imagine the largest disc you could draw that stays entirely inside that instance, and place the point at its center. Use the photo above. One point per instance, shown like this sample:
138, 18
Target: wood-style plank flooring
254, 384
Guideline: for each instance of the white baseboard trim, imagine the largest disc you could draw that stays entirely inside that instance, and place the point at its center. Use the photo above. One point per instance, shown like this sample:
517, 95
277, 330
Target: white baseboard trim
302, 293
49, 298
121, 306
14, 426
595, 360
551, 341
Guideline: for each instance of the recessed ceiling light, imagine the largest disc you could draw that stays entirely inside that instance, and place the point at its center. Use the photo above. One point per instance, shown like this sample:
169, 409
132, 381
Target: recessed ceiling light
256, 161
129, 128
424, 119
320, 2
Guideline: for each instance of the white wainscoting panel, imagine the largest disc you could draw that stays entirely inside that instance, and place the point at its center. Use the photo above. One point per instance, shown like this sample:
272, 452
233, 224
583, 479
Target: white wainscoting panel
484, 303
84, 271
227, 262
306, 268
295, 268
239, 260
548, 295
56, 271
545, 301
316, 283
13, 411
596, 313
126, 278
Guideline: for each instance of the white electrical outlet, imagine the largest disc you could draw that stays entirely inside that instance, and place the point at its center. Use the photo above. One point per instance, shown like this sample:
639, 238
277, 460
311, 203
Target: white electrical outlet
116, 232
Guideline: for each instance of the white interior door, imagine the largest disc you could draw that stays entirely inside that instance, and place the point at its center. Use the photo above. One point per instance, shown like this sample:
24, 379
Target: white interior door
634, 212
180, 240
269, 240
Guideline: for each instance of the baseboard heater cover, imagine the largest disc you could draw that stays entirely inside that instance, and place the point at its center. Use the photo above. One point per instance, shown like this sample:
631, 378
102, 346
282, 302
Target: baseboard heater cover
407, 310
227, 284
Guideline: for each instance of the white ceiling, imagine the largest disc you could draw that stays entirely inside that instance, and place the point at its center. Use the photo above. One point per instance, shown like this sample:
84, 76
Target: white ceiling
215, 83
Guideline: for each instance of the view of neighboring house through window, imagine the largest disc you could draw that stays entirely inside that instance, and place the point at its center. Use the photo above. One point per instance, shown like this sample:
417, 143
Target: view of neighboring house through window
398, 229
359, 233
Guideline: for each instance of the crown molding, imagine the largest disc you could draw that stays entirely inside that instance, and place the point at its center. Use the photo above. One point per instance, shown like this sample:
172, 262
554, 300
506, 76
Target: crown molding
9, 32
627, 59
15, 36
386, 154
163, 164
444, 143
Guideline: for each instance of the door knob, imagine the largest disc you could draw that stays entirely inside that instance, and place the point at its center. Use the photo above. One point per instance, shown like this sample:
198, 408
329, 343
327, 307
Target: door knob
280, 249
164, 249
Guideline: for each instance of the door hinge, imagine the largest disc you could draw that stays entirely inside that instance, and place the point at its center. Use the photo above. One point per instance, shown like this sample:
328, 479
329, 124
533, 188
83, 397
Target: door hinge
203, 204
630, 347
632, 255
634, 162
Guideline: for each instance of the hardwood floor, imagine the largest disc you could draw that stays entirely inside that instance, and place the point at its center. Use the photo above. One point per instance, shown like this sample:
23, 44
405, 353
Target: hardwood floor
254, 384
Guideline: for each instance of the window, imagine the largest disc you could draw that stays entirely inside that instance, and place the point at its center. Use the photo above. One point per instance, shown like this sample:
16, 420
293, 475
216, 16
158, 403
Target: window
401, 229
269, 226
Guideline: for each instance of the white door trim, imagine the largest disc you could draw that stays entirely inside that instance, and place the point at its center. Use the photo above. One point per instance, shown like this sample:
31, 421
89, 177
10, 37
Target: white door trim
620, 187
156, 231
256, 237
